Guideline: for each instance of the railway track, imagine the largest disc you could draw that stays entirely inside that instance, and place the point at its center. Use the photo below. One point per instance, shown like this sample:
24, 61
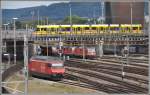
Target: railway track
95, 85
109, 65
131, 62
139, 59
71, 80
131, 84
125, 84
128, 76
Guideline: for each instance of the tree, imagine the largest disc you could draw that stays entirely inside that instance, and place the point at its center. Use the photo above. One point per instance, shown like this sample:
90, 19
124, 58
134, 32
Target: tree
18, 24
75, 20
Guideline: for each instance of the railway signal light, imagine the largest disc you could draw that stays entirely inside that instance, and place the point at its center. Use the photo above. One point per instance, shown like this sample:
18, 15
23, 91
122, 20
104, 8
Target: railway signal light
125, 52
123, 74
38, 50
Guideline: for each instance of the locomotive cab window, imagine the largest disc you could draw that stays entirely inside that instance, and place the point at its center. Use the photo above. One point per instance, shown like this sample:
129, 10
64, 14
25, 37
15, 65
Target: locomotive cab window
49, 65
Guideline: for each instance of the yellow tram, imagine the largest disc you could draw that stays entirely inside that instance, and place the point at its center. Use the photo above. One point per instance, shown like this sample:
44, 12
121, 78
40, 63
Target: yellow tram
95, 29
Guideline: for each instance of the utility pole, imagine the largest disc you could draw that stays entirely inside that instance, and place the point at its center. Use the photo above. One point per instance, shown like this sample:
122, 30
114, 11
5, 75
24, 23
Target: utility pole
103, 16
124, 56
41, 20
115, 48
15, 40
60, 48
149, 39
101, 49
70, 16
47, 20
5, 25
47, 46
1, 43
26, 64
70, 13
83, 51
38, 18
94, 17
100, 45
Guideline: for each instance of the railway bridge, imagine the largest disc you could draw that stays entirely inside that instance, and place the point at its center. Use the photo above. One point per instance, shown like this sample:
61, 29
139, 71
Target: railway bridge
8, 41
121, 40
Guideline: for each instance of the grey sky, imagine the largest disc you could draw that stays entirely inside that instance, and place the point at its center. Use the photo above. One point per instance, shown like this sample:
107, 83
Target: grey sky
22, 4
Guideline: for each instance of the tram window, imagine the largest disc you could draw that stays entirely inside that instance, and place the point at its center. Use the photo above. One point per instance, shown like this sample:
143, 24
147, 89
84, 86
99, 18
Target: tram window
67, 29
127, 28
117, 28
134, 28
48, 29
57, 29
52, 29
93, 28
78, 28
86, 28
101, 28
62, 29
114, 28
37, 29
111, 28
140, 28
43, 29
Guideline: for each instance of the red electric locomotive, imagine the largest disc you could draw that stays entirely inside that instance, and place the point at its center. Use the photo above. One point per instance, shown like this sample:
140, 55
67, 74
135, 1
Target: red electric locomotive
68, 50
79, 51
49, 67
89, 52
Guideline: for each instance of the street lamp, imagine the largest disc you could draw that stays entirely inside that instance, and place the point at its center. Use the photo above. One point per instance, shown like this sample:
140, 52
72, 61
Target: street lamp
5, 25
8, 56
15, 40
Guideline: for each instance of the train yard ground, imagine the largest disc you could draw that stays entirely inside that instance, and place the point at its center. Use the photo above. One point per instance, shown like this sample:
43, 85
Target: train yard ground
100, 76
39, 86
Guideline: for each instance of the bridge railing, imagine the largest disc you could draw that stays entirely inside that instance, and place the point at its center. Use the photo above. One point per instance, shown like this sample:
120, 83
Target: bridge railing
19, 34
